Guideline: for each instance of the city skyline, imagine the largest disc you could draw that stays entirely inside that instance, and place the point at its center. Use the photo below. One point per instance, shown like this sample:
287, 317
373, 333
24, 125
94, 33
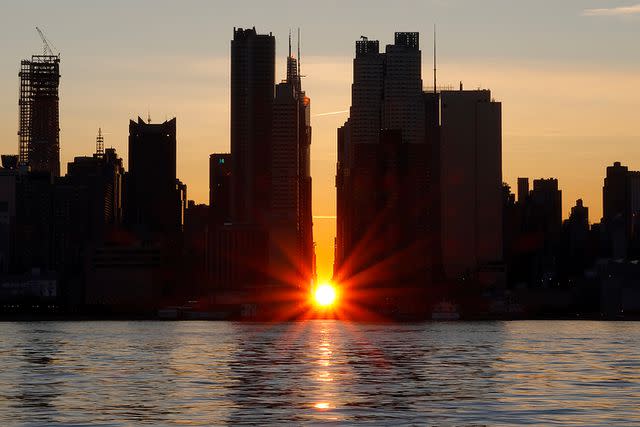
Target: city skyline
290, 212
555, 116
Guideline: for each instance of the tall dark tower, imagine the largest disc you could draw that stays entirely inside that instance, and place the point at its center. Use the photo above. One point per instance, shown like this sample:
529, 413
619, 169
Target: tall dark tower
39, 133
383, 166
305, 216
291, 250
153, 201
252, 94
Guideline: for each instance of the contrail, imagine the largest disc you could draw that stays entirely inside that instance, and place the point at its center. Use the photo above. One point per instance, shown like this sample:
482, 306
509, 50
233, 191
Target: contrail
331, 113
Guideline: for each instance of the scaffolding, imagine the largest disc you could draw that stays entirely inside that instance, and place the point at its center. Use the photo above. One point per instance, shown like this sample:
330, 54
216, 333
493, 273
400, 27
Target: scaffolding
39, 132
100, 144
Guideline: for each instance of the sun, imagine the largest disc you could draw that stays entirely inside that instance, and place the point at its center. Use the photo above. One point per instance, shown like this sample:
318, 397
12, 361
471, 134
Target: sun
325, 295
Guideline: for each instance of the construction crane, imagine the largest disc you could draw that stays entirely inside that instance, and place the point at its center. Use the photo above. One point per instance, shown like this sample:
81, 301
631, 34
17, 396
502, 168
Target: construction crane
46, 44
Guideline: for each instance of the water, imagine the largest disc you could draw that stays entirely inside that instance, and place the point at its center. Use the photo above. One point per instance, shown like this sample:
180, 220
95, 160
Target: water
123, 373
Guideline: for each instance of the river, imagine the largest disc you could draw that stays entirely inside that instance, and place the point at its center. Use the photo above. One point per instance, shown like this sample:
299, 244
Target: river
317, 372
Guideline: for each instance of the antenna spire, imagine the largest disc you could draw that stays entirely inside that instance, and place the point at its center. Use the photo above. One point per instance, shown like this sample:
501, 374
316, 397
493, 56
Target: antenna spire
289, 42
299, 53
435, 88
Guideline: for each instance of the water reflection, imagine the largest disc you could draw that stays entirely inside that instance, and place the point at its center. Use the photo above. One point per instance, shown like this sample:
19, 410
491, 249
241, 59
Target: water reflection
319, 372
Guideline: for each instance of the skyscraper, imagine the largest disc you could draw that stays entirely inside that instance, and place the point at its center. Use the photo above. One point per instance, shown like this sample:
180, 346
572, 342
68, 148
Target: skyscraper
545, 210
621, 206
39, 132
383, 170
471, 180
403, 107
284, 251
252, 94
153, 200
291, 235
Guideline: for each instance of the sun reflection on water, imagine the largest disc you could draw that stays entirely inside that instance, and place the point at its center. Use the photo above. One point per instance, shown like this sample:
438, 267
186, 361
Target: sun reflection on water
323, 376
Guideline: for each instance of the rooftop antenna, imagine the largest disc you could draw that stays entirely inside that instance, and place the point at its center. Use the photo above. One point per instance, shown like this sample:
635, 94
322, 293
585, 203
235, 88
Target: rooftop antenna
435, 90
299, 52
289, 42
148, 115
99, 143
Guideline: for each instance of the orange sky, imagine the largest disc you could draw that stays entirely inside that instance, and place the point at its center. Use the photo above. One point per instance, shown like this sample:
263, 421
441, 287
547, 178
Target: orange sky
567, 78
565, 121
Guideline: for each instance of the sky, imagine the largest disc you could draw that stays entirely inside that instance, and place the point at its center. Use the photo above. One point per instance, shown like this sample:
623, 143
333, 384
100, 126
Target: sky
567, 73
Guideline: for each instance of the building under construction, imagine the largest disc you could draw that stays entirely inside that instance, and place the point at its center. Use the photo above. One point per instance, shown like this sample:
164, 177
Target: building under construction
39, 133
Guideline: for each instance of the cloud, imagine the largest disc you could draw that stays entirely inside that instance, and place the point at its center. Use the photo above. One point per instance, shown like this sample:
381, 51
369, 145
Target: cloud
613, 11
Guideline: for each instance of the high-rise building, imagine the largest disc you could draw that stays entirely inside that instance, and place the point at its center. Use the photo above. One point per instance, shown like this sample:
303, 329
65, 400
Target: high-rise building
383, 170
220, 187
154, 202
305, 215
615, 194
39, 132
367, 92
523, 190
291, 235
403, 107
471, 183
621, 207
252, 95
545, 208
284, 253
103, 175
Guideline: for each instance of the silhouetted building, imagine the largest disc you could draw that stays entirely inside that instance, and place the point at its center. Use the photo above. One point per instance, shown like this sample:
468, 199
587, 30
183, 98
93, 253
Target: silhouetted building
102, 175
154, 202
128, 277
34, 223
220, 187
197, 226
290, 230
523, 190
616, 204
545, 211
252, 94
8, 180
471, 180
579, 218
621, 210
284, 251
576, 250
536, 242
240, 260
403, 106
39, 132
432, 206
386, 154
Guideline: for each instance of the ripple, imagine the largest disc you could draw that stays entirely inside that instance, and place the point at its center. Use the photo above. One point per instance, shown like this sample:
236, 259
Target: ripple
319, 372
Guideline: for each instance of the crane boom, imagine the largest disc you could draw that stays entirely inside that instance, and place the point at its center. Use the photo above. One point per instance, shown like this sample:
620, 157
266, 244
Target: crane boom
46, 44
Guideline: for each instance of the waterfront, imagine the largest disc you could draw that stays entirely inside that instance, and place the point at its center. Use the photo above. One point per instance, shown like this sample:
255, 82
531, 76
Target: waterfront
117, 373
